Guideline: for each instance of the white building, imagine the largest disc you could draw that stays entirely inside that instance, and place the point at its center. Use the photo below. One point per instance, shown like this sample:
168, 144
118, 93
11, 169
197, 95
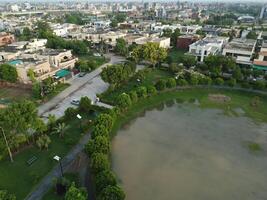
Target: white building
36, 44
210, 45
241, 49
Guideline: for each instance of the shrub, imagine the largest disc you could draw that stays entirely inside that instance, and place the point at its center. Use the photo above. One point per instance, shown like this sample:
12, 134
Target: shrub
133, 96
124, 101
161, 85
205, 80
231, 82
70, 113
171, 83
100, 144
141, 92
85, 104
99, 162
151, 90
104, 179
182, 82
218, 81
193, 79
259, 85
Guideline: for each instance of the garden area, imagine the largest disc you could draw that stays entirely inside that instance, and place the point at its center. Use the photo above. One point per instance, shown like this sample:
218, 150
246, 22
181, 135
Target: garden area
21, 176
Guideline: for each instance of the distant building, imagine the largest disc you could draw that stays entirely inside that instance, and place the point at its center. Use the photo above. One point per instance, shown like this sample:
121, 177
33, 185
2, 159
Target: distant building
246, 19
210, 45
263, 14
6, 38
241, 49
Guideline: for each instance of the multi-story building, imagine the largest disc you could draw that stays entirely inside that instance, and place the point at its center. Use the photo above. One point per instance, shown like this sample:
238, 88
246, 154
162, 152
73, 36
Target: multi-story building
184, 41
241, 49
6, 38
210, 45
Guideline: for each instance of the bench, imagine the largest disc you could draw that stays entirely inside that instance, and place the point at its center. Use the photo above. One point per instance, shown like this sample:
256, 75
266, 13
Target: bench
31, 160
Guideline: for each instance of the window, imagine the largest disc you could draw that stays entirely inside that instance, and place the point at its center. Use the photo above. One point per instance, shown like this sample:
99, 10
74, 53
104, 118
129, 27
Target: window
265, 58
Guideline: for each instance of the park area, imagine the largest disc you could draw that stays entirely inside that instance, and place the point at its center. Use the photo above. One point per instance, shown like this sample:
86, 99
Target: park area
31, 164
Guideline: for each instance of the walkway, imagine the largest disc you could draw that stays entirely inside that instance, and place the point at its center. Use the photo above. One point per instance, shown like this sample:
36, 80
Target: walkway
47, 182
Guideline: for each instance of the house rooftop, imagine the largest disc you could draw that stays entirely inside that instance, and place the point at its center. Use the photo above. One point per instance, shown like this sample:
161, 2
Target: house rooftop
241, 44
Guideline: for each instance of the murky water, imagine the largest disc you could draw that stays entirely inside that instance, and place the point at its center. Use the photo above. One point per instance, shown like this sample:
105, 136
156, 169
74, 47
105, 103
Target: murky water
182, 152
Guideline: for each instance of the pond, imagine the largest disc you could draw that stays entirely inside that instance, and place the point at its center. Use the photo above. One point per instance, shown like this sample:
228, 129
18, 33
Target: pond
182, 151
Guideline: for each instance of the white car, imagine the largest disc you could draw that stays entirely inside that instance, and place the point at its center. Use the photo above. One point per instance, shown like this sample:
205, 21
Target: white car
75, 102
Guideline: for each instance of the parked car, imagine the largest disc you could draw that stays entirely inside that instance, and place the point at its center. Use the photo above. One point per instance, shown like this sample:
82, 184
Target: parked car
75, 102
82, 74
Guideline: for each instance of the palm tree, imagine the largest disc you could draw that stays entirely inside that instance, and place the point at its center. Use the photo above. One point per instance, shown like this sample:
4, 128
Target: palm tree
60, 129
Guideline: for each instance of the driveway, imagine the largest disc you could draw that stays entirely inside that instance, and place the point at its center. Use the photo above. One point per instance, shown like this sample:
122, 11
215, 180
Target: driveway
90, 85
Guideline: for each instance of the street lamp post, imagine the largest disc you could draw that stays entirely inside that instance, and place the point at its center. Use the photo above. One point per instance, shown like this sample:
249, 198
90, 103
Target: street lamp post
80, 119
7, 145
58, 159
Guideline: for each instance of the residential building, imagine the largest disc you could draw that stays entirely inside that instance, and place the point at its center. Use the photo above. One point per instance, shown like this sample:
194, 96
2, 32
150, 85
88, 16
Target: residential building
6, 38
210, 45
163, 42
184, 41
261, 62
241, 49
36, 44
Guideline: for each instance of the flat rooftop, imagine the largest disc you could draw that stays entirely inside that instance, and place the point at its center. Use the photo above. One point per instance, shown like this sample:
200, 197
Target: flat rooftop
241, 44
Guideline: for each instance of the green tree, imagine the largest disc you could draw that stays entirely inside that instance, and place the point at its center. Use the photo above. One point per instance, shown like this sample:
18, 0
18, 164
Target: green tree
124, 101
121, 47
85, 104
151, 90
106, 120
141, 92
75, 193
100, 144
171, 83
153, 53
100, 130
137, 54
218, 81
105, 178
43, 142
252, 35
60, 129
112, 193
189, 60
133, 96
161, 84
231, 82
182, 82
8, 73
99, 162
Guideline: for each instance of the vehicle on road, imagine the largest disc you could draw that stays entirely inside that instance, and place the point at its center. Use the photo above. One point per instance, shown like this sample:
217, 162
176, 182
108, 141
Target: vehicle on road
82, 74
75, 102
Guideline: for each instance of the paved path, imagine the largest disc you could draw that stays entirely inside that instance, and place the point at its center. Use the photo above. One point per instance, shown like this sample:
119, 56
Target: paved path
47, 182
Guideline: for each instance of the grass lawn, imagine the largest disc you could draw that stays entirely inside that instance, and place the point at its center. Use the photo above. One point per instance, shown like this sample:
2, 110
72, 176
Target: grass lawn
51, 195
238, 100
59, 88
9, 94
98, 60
176, 54
151, 77
20, 179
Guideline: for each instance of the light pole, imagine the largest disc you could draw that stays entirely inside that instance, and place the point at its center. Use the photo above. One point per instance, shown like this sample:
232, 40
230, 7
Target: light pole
80, 119
58, 159
7, 145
